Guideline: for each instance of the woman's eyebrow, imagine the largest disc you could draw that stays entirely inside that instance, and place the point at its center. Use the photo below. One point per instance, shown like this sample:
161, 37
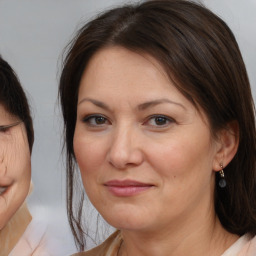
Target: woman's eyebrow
152, 103
95, 102
141, 106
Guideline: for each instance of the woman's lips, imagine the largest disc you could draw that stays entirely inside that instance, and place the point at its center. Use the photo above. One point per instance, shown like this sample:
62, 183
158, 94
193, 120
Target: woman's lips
126, 188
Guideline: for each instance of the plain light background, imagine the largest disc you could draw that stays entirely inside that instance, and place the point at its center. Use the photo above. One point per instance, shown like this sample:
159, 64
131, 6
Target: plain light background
33, 34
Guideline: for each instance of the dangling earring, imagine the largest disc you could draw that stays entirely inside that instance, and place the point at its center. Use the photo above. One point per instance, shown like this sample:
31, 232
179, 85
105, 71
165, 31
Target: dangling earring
222, 181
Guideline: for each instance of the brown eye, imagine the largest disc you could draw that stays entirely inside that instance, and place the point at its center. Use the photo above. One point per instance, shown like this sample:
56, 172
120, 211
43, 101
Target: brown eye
100, 120
5, 128
159, 121
95, 120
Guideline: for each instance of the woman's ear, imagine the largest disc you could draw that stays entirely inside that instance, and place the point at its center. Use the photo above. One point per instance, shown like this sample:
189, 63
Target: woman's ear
227, 145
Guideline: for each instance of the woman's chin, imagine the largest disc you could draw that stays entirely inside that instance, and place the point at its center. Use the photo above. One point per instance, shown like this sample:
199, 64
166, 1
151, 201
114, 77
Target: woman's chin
128, 221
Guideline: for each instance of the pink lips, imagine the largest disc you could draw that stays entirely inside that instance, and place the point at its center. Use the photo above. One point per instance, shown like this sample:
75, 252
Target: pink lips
126, 188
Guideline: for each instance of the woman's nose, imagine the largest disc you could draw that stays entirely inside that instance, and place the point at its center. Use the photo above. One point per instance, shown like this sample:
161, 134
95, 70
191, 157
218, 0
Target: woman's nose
125, 150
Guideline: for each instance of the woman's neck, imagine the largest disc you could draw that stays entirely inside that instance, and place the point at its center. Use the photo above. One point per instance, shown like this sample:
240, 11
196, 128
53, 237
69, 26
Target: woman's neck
14, 229
196, 238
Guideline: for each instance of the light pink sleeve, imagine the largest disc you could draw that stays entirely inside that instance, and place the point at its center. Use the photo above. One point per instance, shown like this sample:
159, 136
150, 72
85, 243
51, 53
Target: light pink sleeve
36, 241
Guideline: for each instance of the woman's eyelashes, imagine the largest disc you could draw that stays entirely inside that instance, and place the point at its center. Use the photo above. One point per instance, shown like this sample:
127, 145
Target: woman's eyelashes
96, 120
5, 128
159, 121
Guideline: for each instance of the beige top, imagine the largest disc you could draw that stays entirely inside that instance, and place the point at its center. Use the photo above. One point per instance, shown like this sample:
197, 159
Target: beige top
244, 246
108, 248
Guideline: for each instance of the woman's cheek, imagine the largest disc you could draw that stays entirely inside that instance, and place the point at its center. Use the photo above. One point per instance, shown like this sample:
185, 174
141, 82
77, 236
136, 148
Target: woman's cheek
88, 149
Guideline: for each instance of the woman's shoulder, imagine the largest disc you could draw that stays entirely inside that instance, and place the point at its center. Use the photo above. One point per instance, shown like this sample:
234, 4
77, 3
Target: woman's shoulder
108, 247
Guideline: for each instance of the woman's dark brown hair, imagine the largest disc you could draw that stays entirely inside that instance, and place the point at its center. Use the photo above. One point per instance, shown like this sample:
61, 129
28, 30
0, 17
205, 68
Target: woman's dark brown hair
13, 98
201, 56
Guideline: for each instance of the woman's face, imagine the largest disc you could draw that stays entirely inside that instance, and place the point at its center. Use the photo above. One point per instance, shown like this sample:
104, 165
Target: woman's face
15, 168
145, 154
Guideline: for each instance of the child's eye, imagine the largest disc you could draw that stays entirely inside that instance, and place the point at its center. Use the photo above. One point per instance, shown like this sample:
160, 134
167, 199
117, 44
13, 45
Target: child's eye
95, 120
159, 121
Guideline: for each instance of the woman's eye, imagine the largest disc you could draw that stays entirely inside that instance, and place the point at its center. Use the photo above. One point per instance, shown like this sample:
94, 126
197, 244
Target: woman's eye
95, 120
160, 121
5, 128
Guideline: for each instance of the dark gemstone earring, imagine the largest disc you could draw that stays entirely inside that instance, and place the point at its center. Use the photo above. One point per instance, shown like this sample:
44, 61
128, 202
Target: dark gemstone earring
222, 181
